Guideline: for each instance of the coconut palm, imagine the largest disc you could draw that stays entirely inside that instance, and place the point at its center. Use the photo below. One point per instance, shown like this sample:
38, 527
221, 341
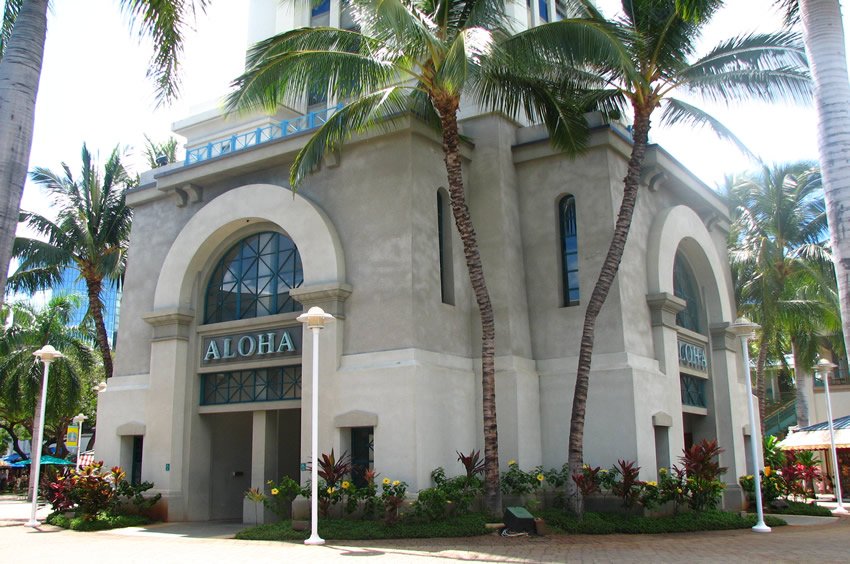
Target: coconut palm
823, 34
23, 32
422, 57
91, 232
657, 39
776, 242
28, 330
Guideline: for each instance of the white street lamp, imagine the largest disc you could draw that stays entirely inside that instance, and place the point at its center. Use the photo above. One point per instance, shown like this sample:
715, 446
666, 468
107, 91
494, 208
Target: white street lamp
315, 319
746, 330
824, 368
79, 421
46, 354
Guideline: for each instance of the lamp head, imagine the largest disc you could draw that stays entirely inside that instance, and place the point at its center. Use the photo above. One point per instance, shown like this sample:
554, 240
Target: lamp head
743, 327
315, 318
47, 354
824, 367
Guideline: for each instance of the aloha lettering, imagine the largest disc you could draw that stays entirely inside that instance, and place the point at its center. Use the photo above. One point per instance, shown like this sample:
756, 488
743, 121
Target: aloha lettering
246, 346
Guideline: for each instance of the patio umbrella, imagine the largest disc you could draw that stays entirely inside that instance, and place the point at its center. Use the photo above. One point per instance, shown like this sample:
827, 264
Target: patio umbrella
46, 460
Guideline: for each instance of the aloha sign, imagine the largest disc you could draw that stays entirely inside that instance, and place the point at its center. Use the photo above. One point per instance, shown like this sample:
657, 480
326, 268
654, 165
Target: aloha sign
252, 346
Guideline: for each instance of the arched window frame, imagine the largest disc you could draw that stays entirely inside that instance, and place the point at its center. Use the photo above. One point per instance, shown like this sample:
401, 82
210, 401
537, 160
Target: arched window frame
282, 261
568, 230
685, 286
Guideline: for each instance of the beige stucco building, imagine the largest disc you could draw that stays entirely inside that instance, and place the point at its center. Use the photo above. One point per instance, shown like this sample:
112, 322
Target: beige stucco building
211, 391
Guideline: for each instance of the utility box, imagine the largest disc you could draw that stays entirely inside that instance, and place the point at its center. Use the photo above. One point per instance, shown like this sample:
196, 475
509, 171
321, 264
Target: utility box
519, 520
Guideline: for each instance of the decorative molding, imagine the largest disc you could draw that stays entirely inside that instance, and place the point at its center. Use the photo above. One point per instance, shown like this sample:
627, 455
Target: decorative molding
662, 419
663, 308
723, 338
131, 428
356, 418
330, 297
170, 324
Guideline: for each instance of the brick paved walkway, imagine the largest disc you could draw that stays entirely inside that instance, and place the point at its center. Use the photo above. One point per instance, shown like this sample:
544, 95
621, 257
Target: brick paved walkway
201, 542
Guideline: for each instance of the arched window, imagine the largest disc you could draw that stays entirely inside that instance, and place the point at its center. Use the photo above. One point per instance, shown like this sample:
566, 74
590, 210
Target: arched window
253, 279
569, 249
685, 287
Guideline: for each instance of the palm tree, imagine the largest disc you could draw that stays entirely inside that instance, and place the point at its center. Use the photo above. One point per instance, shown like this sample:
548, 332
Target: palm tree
823, 34
91, 232
776, 242
21, 376
657, 40
422, 57
23, 32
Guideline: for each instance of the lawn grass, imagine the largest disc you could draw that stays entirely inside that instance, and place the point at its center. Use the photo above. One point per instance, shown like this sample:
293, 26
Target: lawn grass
102, 522
350, 529
605, 523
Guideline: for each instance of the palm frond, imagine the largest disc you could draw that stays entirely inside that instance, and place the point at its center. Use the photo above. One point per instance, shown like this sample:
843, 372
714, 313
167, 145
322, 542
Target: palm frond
677, 112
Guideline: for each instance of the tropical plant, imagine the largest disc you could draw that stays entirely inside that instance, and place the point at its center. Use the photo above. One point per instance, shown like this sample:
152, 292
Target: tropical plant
421, 57
21, 375
823, 35
703, 471
392, 495
657, 40
472, 462
775, 246
23, 32
160, 154
91, 233
281, 495
331, 470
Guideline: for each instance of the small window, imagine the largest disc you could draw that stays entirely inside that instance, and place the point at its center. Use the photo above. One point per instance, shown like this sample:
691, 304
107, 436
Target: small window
362, 453
543, 7
136, 465
444, 237
569, 250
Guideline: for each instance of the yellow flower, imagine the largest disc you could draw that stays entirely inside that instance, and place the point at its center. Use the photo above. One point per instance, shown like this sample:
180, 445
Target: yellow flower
767, 471
275, 491
678, 490
396, 483
386, 481
662, 471
345, 485
652, 484
540, 477
330, 490
512, 462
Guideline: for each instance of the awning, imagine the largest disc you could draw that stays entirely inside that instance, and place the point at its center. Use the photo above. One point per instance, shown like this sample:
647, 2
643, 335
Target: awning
816, 437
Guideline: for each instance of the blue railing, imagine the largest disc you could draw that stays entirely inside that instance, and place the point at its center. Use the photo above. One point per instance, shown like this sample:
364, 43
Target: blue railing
239, 141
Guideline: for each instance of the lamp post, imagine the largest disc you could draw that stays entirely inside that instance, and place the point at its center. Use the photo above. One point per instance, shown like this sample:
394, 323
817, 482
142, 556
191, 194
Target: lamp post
315, 320
46, 354
824, 368
78, 419
746, 330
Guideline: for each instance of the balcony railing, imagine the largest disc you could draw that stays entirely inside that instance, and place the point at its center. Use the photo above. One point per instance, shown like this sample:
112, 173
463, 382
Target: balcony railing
839, 378
240, 141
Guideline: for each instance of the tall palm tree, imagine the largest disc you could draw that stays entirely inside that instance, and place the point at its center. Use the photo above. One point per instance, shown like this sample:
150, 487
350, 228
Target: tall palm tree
91, 232
423, 57
657, 39
21, 375
775, 243
823, 34
23, 32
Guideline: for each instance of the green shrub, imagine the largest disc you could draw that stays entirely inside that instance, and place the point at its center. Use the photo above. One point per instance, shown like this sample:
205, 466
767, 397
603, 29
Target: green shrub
431, 504
100, 522
604, 524
518, 482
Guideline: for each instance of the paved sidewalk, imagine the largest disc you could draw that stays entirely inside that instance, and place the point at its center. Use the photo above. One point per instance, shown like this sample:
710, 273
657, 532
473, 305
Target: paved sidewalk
204, 542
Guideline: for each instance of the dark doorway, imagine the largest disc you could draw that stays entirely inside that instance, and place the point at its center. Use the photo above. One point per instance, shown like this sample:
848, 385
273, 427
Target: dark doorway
362, 453
136, 466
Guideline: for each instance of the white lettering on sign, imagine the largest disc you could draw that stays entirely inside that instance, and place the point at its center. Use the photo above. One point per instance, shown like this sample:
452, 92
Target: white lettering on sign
280, 342
692, 356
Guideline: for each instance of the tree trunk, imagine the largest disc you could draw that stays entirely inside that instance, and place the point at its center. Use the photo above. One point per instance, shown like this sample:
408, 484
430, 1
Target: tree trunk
640, 135
823, 35
20, 71
16, 445
761, 392
803, 381
94, 286
492, 493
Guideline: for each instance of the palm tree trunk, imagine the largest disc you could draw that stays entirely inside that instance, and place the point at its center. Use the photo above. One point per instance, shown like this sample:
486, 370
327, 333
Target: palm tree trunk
94, 287
802, 380
761, 392
20, 71
492, 493
640, 136
823, 35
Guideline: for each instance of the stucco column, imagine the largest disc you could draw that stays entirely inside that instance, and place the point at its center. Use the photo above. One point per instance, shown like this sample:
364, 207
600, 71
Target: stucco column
166, 408
331, 298
729, 410
263, 463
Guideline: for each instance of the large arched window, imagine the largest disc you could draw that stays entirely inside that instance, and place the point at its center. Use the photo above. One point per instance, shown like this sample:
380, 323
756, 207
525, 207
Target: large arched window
685, 287
253, 279
569, 249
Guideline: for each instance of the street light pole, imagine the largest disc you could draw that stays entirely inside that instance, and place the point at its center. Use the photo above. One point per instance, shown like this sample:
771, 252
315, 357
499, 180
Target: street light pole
824, 368
746, 330
315, 320
46, 354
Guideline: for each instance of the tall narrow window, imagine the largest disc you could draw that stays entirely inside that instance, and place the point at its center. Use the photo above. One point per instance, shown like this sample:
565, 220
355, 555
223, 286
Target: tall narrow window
543, 7
444, 238
569, 249
685, 287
